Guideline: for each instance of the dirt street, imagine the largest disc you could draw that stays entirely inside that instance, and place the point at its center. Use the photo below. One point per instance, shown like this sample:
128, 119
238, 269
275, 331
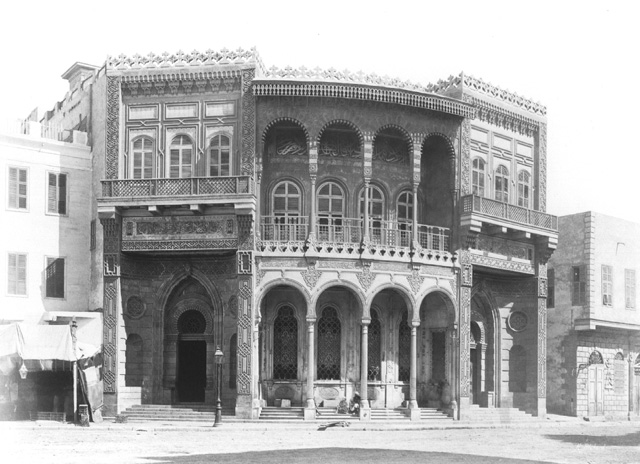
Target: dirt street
574, 442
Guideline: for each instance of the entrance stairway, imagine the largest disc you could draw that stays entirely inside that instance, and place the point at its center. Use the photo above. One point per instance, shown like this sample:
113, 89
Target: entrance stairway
498, 415
271, 413
185, 412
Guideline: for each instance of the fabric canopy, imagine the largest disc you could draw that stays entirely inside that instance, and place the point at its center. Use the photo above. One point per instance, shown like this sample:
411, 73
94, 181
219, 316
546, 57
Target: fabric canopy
37, 342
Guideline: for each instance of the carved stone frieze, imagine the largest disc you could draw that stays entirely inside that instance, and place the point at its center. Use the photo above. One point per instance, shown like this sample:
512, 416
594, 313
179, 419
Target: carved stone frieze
498, 263
179, 227
169, 245
113, 128
509, 248
247, 165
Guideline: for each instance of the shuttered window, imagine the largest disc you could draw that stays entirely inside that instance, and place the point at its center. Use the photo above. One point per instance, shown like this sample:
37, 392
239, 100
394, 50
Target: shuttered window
220, 156
578, 285
54, 275
17, 194
57, 193
607, 285
142, 158
630, 288
181, 154
17, 274
502, 184
524, 189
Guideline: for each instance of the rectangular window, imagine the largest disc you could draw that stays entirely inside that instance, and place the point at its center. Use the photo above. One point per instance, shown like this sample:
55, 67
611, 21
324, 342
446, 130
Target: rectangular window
17, 194
54, 275
57, 193
551, 288
92, 243
630, 288
607, 285
17, 274
579, 286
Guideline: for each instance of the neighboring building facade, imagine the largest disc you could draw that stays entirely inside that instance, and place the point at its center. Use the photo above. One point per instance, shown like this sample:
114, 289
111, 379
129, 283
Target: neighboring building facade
45, 249
594, 320
329, 232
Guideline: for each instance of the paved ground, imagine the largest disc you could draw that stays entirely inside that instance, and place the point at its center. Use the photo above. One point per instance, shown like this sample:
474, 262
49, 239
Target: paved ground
560, 441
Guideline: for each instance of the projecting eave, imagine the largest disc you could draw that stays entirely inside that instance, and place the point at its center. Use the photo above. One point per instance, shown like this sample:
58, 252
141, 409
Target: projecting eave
593, 324
283, 87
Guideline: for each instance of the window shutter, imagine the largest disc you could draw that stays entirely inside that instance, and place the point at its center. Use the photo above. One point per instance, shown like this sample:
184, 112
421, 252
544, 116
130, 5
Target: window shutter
52, 193
62, 194
13, 188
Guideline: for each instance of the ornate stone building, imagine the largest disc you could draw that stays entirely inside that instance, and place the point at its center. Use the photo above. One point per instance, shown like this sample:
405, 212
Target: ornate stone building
329, 231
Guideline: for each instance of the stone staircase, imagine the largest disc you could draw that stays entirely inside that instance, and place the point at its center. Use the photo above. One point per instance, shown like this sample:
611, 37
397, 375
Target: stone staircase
271, 413
185, 412
498, 415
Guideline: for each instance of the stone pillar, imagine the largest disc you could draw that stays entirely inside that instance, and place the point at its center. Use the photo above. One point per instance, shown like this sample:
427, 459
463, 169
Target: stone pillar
414, 410
466, 282
310, 408
541, 408
365, 410
112, 304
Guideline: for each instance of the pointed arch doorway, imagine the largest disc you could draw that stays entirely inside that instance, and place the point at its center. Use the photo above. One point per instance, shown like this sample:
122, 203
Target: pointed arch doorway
189, 343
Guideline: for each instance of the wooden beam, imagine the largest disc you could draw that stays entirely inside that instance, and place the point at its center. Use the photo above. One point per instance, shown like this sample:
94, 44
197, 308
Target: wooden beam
197, 209
497, 230
155, 210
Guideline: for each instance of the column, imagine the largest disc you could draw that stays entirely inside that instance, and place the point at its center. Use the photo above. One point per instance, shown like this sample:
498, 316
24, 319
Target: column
415, 176
414, 410
367, 173
310, 408
313, 173
465, 282
541, 409
365, 410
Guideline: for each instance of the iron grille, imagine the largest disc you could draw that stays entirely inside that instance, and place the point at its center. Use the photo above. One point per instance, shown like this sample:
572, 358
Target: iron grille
374, 345
404, 350
329, 331
285, 345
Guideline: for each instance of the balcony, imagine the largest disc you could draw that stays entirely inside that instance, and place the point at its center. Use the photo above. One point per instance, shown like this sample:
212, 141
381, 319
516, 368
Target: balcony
179, 191
345, 236
477, 210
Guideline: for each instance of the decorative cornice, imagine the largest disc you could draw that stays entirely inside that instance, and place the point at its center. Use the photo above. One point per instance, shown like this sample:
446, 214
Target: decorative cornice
238, 58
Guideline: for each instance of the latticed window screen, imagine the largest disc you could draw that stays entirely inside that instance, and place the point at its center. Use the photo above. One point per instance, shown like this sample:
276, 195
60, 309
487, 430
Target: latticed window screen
502, 184
191, 322
54, 275
142, 158
329, 331
57, 193
595, 358
220, 156
181, 153
404, 350
478, 176
524, 189
374, 347
285, 345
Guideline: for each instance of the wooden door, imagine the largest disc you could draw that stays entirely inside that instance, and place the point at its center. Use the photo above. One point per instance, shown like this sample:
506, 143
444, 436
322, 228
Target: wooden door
596, 390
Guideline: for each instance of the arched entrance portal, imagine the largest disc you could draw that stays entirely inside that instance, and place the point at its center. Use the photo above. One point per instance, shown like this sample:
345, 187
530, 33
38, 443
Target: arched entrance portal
482, 355
189, 343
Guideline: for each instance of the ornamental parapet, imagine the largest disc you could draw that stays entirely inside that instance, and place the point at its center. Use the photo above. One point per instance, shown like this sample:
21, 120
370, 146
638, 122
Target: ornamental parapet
480, 209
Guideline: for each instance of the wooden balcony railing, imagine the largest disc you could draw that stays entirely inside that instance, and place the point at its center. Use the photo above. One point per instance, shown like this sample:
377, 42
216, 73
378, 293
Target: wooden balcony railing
119, 188
518, 214
350, 231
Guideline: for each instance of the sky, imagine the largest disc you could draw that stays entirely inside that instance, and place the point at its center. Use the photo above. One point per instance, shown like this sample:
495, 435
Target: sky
578, 58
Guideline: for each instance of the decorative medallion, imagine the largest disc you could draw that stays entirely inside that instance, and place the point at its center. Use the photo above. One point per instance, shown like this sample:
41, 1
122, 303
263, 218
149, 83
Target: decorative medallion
415, 280
518, 321
135, 308
366, 277
311, 275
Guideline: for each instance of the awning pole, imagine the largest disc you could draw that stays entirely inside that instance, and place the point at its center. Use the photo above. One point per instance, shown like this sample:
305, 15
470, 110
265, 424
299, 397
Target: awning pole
75, 392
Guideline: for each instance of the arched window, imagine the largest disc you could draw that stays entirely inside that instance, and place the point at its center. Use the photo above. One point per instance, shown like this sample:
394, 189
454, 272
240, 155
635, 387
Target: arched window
220, 156
404, 213
330, 212
517, 369
286, 209
478, 176
142, 158
524, 189
595, 358
133, 361
404, 349
181, 157
329, 346
374, 346
285, 345
233, 361
376, 212
502, 184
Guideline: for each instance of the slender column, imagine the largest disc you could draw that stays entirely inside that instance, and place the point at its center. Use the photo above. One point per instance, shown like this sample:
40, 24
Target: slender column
313, 172
541, 293
414, 410
364, 372
415, 176
464, 340
310, 409
414, 219
366, 237
367, 173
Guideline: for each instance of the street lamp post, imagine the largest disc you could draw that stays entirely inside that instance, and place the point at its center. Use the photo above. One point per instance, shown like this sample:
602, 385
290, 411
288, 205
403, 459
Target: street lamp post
218, 360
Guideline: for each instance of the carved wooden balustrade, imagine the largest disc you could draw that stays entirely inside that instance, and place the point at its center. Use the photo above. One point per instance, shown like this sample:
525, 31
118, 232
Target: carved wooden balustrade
345, 236
128, 188
512, 213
